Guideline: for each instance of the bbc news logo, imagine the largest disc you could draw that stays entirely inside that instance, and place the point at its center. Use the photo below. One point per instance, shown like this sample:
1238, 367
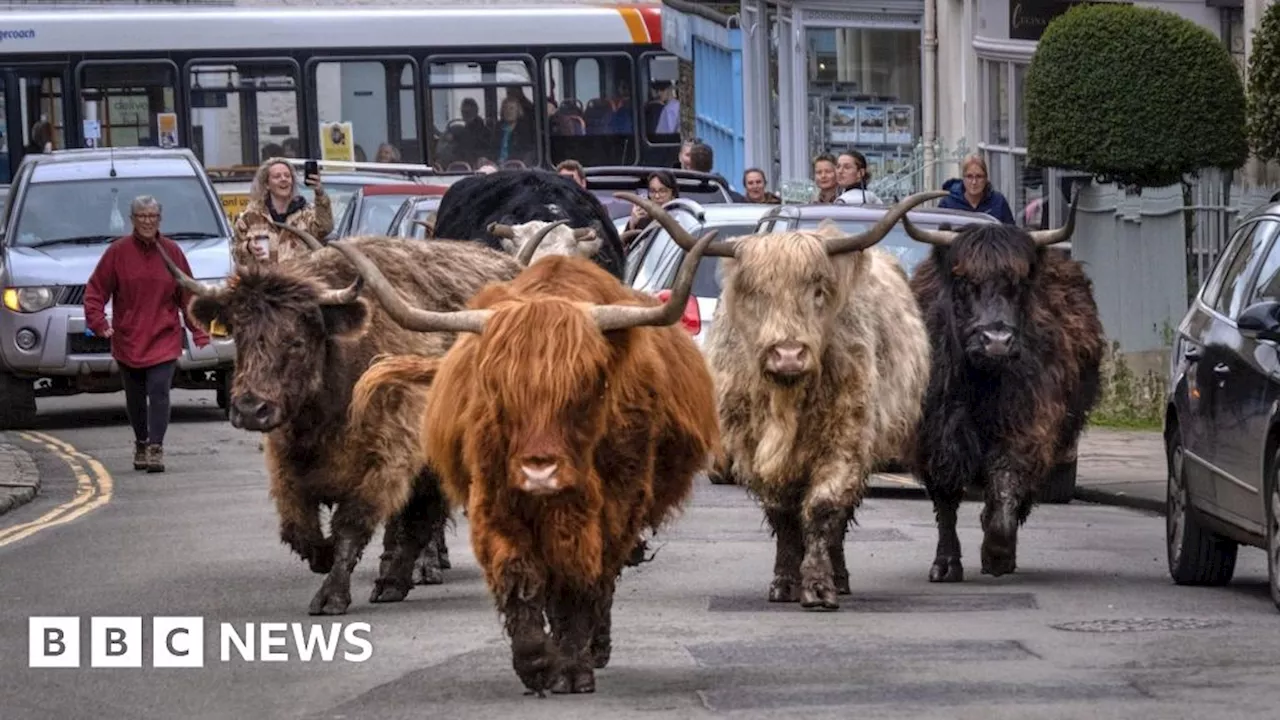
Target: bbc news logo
178, 642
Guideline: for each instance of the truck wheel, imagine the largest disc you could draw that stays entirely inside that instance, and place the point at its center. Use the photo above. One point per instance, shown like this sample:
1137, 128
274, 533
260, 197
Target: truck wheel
17, 403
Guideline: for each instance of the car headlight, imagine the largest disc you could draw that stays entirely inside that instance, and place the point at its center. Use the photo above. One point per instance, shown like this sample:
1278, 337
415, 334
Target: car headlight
29, 299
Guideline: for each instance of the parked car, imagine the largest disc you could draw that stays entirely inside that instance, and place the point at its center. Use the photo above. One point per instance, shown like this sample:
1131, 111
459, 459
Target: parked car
412, 210
604, 181
655, 257
64, 209
373, 208
1222, 419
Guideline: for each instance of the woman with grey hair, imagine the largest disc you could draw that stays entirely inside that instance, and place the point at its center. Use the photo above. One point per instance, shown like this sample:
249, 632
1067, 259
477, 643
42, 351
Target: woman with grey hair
144, 330
274, 196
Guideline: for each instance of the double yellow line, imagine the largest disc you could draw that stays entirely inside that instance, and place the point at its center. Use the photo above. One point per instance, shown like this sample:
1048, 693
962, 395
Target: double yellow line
93, 489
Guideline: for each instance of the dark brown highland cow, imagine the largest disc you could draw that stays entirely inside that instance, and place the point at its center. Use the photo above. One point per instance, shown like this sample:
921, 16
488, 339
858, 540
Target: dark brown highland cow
1017, 346
300, 348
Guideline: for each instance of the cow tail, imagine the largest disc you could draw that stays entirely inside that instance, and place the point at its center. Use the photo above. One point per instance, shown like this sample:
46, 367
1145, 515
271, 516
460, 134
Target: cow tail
390, 372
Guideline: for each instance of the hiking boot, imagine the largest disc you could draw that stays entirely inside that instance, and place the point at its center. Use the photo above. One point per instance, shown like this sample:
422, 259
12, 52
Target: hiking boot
139, 456
155, 459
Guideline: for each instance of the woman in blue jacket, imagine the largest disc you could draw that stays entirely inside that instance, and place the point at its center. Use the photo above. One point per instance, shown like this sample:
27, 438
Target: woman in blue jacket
974, 193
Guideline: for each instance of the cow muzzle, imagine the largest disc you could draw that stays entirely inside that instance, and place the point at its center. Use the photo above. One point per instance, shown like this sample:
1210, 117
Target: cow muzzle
787, 360
250, 412
996, 342
540, 478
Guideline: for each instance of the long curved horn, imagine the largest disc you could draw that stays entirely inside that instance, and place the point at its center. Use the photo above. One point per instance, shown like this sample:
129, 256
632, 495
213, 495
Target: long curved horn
627, 235
408, 317
526, 252
674, 229
185, 281
497, 229
342, 296
876, 233
1057, 235
307, 238
619, 317
587, 241
941, 238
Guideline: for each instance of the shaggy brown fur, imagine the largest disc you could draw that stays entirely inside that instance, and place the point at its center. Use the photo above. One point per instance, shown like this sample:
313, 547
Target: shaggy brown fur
627, 418
1001, 422
297, 362
804, 443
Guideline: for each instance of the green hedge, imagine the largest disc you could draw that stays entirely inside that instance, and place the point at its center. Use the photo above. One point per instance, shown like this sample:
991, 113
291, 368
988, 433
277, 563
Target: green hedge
1133, 95
1264, 86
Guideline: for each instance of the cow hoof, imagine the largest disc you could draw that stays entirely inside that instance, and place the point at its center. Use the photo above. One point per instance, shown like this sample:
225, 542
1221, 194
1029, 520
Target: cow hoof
818, 596
426, 575
947, 570
784, 590
534, 664
321, 561
330, 603
842, 585
997, 561
444, 558
385, 591
600, 652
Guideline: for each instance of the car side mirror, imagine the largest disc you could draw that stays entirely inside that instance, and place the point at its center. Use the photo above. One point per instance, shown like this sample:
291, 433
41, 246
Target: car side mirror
1261, 321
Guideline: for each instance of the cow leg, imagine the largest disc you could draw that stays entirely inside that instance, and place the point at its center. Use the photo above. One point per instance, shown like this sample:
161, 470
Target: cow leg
300, 525
1004, 510
946, 562
839, 571
572, 614
442, 548
409, 534
521, 594
785, 522
427, 570
602, 640
353, 526
835, 491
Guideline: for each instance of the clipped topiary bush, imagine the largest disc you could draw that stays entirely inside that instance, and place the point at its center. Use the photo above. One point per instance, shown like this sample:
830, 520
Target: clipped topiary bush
1133, 95
1264, 87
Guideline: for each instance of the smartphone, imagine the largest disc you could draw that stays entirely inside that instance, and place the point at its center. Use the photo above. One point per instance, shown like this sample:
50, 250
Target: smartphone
311, 167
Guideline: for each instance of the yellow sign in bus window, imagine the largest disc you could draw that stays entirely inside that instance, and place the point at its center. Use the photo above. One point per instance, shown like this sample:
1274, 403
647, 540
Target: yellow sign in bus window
234, 203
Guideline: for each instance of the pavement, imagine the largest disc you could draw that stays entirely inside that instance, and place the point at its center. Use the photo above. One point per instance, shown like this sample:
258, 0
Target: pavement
19, 478
1090, 625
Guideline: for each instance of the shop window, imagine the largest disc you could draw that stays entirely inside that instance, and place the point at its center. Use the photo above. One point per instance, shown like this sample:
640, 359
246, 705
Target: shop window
865, 94
132, 102
998, 103
660, 74
243, 112
376, 97
483, 111
591, 109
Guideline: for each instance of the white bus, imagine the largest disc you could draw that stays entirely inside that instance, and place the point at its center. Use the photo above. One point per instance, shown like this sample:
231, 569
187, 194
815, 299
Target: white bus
438, 84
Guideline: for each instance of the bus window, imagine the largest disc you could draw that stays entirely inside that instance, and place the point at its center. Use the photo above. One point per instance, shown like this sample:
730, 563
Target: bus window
660, 74
594, 117
129, 100
483, 111
376, 97
243, 112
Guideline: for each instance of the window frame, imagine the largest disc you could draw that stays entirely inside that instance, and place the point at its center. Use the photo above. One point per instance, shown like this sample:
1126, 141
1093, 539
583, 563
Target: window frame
299, 90
312, 112
535, 80
1272, 249
641, 60
634, 155
179, 99
1247, 231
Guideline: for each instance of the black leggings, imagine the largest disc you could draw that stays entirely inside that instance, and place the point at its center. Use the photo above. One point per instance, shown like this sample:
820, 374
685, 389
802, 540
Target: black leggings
148, 384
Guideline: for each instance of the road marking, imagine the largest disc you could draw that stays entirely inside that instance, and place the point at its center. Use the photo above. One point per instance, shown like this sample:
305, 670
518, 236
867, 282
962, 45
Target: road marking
94, 487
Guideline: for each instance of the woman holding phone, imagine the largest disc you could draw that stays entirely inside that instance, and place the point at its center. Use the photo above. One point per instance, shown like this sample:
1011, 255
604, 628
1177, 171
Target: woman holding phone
274, 196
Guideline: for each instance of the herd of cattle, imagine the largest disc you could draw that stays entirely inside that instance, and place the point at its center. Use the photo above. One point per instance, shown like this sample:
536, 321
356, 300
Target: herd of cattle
512, 374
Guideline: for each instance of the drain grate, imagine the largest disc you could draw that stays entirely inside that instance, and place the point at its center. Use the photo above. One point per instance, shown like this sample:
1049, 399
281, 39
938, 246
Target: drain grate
887, 603
1123, 625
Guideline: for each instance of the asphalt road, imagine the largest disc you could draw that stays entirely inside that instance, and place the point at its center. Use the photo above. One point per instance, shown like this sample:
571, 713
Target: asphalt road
693, 634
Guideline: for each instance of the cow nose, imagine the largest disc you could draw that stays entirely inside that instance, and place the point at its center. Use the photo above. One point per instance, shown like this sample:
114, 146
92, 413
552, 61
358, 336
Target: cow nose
997, 342
249, 412
540, 477
787, 358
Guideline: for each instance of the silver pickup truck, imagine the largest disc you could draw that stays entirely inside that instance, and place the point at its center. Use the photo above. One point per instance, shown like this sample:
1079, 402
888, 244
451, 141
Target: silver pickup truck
64, 208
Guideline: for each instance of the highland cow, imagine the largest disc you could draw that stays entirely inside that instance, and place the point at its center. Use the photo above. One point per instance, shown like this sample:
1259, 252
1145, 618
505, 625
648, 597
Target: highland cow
570, 417
1017, 349
300, 349
820, 360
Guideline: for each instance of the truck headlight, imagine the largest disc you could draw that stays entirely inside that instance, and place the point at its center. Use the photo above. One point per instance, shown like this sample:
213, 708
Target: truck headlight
29, 299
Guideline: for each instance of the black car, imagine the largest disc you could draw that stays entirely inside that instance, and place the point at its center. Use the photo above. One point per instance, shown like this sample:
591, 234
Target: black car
1222, 424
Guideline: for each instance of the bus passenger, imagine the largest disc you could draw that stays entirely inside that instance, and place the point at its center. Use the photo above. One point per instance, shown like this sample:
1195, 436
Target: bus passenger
514, 138
274, 196
387, 153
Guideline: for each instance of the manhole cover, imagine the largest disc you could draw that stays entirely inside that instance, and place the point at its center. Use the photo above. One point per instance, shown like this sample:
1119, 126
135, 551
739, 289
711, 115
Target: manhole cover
1121, 625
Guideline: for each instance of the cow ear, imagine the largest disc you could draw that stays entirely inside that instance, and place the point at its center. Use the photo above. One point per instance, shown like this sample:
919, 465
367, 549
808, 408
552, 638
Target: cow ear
207, 311
347, 320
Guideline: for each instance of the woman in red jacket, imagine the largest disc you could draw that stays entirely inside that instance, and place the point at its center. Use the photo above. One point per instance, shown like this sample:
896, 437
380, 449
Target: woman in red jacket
145, 333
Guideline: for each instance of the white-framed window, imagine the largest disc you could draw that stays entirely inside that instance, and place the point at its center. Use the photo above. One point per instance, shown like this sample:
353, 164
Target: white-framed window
1003, 141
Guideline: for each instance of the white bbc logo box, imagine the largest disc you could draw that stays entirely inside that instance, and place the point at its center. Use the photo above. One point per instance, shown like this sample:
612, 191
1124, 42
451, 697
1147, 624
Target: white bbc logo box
115, 642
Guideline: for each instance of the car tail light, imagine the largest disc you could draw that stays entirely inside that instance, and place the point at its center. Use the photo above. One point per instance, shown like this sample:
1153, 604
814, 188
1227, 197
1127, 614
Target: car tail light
692, 317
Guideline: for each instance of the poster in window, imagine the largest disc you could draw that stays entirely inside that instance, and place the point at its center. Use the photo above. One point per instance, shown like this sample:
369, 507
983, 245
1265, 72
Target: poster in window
871, 124
899, 125
875, 164
167, 125
842, 122
336, 142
